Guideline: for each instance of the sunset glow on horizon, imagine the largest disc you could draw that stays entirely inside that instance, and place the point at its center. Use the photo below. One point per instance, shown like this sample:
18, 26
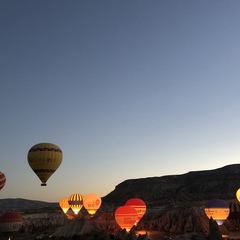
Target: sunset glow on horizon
126, 89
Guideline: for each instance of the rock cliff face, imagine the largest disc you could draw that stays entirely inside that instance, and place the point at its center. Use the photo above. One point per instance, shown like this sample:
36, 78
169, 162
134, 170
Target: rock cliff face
190, 187
175, 205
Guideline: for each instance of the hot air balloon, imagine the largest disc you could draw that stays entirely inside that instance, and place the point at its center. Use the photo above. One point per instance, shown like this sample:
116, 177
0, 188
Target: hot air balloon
139, 206
44, 159
234, 215
217, 209
2, 180
126, 217
238, 194
63, 203
76, 202
92, 203
10, 222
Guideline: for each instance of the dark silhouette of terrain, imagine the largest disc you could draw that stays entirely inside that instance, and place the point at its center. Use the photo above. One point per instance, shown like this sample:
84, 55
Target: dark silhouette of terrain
175, 206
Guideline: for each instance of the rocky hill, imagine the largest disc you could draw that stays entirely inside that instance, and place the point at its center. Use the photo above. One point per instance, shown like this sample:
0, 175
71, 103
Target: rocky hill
175, 206
190, 187
19, 204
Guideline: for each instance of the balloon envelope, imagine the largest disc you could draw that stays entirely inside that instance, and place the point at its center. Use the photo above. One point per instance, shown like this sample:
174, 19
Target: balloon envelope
139, 205
238, 194
126, 217
92, 203
234, 215
76, 202
2, 180
63, 203
217, 209
44, 159
10, 222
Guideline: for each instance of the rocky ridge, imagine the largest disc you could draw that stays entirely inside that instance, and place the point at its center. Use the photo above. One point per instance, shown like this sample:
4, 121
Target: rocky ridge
175, 206
189, 187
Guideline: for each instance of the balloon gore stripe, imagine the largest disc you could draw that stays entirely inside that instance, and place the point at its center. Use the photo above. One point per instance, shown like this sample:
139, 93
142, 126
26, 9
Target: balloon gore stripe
45, 149
2, 180
44, 171
75, 202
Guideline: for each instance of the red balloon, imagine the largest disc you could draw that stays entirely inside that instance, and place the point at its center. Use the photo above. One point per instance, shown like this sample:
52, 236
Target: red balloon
126, 217
2, 180
139, 205
10, 222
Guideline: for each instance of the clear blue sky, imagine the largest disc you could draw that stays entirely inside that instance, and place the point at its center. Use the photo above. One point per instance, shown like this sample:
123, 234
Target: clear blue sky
127, 89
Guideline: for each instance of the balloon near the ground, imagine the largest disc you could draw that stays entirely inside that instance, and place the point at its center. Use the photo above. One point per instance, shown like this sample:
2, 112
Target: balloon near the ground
10, 223
76, 202
238, 194
139, 205
217, 209
234, 215
92, 203
63, 203
126, 217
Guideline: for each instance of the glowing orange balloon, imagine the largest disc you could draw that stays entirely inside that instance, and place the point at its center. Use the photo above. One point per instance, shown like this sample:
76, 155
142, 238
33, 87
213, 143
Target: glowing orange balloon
2, 180
92, 203
44, 159
63, 203
217, 209
10, 222
126, 217
139, 205
76, 202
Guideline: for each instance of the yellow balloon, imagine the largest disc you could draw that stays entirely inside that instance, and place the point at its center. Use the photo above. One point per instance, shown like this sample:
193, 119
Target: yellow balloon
92, 203
63, 203
238, 194
76, 202
44, 159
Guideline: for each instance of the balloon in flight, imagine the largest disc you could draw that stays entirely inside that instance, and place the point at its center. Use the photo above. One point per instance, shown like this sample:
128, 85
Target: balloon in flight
44, 159
63, 203
76, 202
2, 180
10, 222
217, 209
92, 203
126, 217
139, 205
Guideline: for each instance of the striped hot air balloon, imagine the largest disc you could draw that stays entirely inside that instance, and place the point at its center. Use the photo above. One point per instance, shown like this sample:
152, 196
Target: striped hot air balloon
44, 159
10, 222
76, 202
2, 180
234, 215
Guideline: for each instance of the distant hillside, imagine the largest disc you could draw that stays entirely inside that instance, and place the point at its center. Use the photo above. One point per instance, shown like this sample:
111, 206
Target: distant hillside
190, 187
23, 204
158, 191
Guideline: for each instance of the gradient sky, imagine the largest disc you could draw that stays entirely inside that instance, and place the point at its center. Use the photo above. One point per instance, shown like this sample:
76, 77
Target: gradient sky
127, 89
